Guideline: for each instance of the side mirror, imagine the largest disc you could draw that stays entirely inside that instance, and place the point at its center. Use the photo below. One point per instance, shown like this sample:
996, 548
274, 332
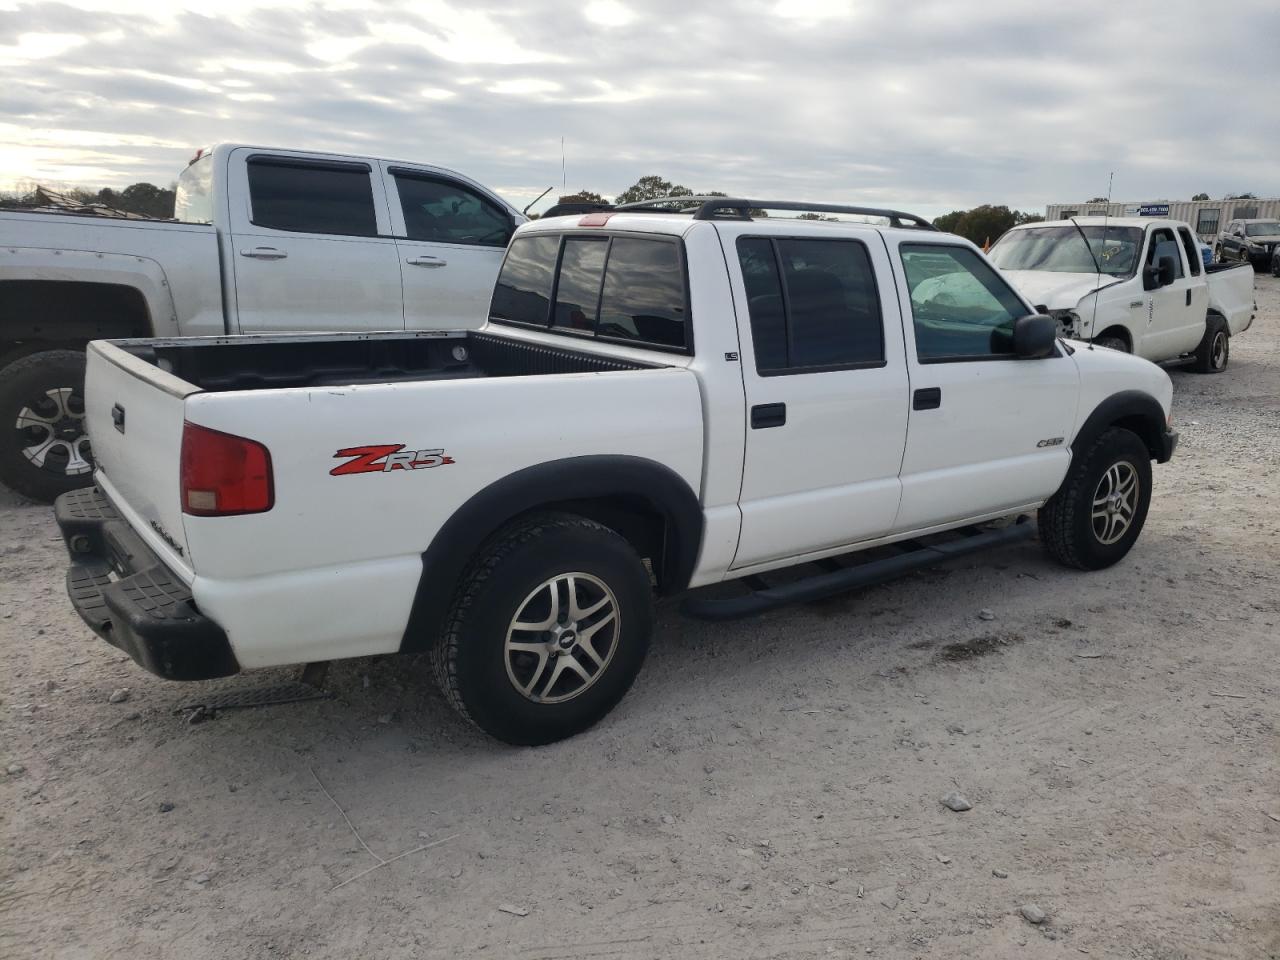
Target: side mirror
1168, 270
1150, 278
1034, 336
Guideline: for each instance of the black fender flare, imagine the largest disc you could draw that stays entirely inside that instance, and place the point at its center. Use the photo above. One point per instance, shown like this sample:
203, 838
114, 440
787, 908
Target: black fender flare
1136, 411
546, 485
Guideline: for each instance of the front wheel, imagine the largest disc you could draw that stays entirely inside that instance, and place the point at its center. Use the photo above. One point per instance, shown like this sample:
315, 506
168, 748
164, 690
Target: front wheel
547, 630
1097, 514
1112, 343
44, 448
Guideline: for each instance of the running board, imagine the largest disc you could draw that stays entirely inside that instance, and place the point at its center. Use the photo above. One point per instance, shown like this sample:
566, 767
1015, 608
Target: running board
863, 575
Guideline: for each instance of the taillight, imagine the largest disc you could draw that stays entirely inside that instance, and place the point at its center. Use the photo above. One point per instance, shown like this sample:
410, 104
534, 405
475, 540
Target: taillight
224, 475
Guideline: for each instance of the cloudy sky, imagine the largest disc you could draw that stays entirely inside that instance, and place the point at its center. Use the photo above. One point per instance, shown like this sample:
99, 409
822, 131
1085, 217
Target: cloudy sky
920, 104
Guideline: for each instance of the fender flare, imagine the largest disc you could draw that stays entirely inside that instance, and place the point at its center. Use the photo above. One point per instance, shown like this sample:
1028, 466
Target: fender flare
547, 485
1140, 412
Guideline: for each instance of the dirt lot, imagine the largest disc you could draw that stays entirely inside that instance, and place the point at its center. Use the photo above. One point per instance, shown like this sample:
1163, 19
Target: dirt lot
769, 789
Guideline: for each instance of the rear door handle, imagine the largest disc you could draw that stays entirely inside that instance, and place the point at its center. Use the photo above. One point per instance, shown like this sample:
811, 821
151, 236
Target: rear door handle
263, 253
764, 415
426, 262
927, 398
1188, 296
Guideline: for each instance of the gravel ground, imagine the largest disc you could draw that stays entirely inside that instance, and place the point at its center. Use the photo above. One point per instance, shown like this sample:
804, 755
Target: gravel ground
770, 788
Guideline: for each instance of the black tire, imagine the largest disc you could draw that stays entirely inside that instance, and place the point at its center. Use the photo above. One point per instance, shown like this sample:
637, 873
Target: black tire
1115, 343
1214, 352
45, 385
1068, 528
477, 673
1275, 263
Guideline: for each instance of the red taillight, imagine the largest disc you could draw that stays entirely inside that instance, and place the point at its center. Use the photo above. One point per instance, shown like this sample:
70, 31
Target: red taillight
224, 475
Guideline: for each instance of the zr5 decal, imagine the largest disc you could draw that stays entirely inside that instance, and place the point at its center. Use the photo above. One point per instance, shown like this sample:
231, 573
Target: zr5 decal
385, 457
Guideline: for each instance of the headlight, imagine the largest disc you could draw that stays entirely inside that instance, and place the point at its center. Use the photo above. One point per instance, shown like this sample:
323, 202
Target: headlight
1067, 320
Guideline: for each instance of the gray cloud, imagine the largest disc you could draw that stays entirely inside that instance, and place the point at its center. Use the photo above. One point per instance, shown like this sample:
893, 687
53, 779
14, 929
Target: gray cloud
926, 105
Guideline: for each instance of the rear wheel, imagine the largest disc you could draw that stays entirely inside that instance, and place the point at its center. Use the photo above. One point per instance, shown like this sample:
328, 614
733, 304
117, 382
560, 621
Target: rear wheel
1275, 262
44, 449
1094, 519
547, 631
1214, 352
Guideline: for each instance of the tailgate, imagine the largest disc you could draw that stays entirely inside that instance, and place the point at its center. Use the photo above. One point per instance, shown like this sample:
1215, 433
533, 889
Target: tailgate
135, 414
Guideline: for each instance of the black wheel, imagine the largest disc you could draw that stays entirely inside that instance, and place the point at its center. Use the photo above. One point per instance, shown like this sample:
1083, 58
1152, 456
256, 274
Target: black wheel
1275, 262
1094, 519
547, 631
44, 449
1214, 352
1113, 343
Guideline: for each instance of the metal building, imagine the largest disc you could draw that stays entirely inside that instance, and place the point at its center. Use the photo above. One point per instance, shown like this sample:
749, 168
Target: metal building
1207, 217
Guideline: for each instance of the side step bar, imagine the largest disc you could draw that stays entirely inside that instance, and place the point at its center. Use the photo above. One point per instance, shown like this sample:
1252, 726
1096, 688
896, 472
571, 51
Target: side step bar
863, 575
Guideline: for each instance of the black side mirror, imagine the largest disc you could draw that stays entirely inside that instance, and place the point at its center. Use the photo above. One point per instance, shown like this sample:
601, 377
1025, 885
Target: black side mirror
1168, 270
1034, 336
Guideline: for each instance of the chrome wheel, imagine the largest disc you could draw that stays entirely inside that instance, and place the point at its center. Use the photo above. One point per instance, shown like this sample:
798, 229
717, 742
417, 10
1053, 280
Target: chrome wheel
1115, 502
52, 433
562, 638
1218, 352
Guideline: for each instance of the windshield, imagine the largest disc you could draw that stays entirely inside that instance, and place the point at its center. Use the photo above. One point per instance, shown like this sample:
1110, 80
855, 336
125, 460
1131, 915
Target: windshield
194, 200
1266, 228
1062, 250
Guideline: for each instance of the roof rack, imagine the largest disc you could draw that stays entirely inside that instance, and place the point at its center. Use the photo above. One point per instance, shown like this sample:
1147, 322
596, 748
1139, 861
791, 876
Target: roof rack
577, 207
736, 208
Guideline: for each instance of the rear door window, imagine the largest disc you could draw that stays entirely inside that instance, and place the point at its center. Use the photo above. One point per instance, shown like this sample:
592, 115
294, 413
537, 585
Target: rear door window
578, 292
813, 304
1192, 248
301, 197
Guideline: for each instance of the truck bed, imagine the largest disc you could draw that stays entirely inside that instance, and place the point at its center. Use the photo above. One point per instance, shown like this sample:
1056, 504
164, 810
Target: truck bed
216, 364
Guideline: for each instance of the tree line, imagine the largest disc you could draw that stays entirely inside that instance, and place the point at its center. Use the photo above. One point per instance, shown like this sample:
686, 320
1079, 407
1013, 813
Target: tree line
145, 199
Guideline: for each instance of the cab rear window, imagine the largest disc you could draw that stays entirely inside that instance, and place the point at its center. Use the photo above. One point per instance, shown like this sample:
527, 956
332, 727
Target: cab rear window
608, 287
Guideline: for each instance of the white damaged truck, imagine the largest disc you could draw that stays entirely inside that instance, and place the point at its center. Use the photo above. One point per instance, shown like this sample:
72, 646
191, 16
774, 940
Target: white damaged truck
1135, 284
660, 400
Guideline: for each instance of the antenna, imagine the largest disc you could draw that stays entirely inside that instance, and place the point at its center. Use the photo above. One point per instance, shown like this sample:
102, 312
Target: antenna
564, 183
525, 211
1106, 216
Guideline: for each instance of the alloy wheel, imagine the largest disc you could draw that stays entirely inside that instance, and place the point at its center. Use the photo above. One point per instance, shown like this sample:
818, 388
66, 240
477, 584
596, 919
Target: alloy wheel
52, 435
1115, 502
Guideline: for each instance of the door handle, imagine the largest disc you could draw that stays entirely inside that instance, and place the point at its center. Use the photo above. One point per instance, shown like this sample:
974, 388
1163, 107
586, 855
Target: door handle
426, 262
263, 253
764, 415
927, 398
1188, 296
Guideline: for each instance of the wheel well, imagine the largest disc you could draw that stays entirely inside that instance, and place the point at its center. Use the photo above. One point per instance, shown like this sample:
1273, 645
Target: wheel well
47, 313
1148, 431
635, 519
1121, 333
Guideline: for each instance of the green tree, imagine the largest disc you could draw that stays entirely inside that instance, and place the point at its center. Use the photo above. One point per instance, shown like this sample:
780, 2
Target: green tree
948, 221
1099, 200
1200, 196
582, 196
144, 198
1020, 217
652, 187
1241, 196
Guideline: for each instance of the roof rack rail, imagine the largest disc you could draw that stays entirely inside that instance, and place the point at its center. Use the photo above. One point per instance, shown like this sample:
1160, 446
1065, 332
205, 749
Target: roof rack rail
737, 208
577, 207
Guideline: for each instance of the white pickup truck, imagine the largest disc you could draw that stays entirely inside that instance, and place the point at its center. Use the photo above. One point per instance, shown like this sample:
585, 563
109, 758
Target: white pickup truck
262, 240
1135, 284
659, 399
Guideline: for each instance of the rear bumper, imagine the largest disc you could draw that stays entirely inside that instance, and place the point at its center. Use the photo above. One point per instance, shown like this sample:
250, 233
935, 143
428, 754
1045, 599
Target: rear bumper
129, 598
1168, 442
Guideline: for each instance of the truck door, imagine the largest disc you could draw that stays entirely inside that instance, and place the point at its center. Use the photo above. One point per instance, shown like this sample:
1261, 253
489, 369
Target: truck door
1172, 326
987, 431
451, 238
310, 245
826, 390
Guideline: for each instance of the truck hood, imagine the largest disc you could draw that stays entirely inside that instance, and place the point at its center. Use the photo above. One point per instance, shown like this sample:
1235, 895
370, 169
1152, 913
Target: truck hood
1057, 291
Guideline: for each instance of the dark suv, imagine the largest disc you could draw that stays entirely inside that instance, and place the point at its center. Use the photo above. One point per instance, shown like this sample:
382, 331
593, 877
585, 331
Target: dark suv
1252, 241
